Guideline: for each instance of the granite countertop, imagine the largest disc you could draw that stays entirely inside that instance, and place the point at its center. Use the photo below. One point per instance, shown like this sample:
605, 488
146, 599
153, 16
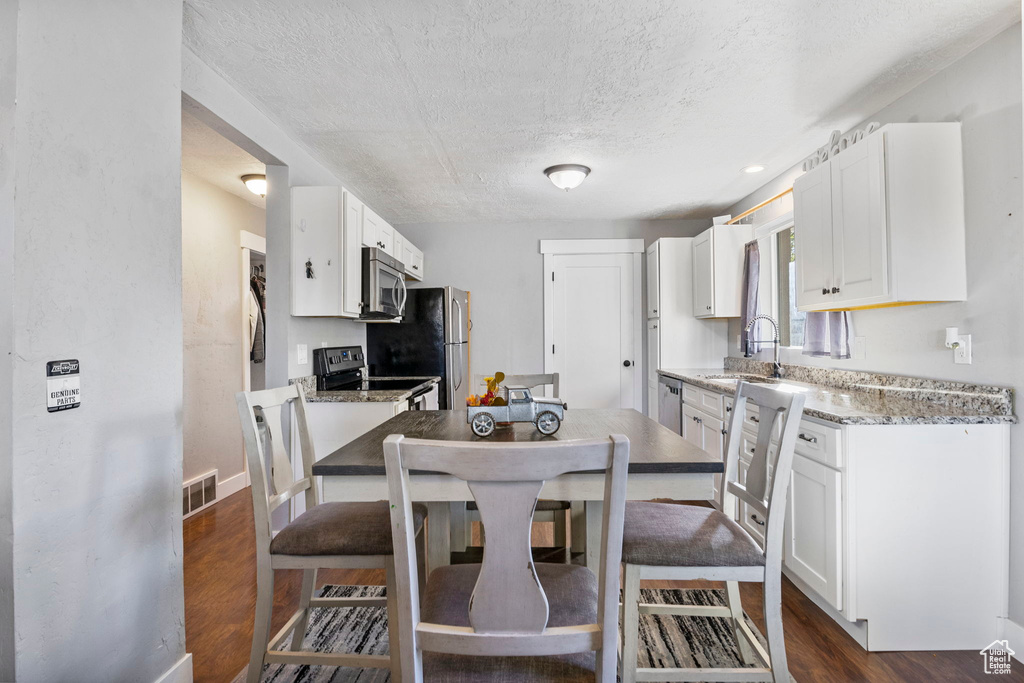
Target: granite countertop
356, 396
858, 398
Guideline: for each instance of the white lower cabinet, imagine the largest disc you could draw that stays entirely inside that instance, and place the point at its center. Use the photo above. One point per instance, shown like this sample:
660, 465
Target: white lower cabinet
814, 523
692, 429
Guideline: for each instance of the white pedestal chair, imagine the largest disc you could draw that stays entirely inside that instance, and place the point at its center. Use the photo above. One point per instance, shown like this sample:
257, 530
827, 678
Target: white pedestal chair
662, 541
547, 510
328, 535
508, 619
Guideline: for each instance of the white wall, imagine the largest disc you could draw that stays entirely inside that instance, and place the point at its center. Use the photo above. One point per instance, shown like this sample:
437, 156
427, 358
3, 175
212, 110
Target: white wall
8, 62
288, 164
501, 265
211, 220
983, 91
96, 276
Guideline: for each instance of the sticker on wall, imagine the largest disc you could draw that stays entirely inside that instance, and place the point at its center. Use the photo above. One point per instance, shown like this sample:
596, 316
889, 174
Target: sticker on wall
63, 385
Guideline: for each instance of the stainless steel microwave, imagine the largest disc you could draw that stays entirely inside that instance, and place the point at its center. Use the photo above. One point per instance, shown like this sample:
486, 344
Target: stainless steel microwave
384, 292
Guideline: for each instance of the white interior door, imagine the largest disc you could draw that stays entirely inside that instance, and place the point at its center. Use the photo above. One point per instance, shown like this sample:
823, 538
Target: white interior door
594, 324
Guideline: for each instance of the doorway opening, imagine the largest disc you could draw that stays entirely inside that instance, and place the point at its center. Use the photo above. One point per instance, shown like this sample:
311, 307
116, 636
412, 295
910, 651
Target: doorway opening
224, 307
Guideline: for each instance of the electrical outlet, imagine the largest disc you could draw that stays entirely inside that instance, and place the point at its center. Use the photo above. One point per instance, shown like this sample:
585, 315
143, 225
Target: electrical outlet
860, 348
962, 354
303, 354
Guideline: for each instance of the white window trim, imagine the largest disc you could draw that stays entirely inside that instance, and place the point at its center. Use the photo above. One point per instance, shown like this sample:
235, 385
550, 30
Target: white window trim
769, 230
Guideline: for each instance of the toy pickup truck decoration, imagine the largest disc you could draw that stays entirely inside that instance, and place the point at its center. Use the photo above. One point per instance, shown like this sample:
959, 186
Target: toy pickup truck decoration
545, 413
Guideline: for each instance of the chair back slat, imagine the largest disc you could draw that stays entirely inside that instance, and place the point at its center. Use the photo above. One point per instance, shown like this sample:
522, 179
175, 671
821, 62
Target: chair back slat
757, 472
262, 414
476, 461
281, 474
506, 553
765, 486
506, 479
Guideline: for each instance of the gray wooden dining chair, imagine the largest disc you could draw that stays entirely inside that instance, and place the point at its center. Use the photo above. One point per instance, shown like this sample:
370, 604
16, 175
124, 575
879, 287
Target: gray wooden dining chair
663, 541
508, 619
553, 511
326, 535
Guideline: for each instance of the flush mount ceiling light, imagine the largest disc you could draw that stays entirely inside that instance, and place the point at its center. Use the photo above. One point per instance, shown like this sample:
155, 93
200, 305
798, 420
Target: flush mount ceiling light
753, 168
567, 176
256, 182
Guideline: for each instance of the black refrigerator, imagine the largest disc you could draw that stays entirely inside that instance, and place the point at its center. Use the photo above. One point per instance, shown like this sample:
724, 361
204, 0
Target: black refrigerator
432, 339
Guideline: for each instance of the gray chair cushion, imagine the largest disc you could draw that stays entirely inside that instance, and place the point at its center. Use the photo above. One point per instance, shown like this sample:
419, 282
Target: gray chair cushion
342, 529
667, 535
572, 600
542, 505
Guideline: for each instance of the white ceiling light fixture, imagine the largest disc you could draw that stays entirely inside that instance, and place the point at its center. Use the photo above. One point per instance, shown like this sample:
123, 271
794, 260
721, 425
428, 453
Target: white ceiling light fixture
256, 182
567, 176
753, 168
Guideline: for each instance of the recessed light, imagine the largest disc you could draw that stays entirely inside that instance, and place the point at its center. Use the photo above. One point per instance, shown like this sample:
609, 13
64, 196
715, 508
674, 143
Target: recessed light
567, 176
753, 168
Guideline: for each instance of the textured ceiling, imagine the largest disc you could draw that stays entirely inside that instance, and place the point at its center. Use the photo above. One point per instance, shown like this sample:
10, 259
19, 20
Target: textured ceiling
445, 110
207, 154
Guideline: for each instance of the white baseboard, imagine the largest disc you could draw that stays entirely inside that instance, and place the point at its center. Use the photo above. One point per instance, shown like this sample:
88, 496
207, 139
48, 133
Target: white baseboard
225, 487
1014, 633
181, 672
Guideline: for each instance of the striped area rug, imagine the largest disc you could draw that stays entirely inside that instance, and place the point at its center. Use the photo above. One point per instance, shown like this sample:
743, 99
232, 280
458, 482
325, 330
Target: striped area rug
665, 641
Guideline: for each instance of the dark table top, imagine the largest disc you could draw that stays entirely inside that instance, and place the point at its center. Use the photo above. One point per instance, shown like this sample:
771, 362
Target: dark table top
653, 449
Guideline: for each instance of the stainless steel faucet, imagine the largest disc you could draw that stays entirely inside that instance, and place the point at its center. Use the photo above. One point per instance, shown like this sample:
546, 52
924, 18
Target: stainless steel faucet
776, 365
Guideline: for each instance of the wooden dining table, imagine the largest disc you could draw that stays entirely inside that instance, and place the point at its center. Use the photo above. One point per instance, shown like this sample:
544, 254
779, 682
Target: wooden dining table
662, 464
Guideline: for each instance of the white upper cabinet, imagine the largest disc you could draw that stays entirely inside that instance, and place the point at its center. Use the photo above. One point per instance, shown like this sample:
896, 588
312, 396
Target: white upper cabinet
398, 248
378, 233
718, 271
315, 262
412, 257
812, 199
352, 275
882, 222
329, 229
653, 280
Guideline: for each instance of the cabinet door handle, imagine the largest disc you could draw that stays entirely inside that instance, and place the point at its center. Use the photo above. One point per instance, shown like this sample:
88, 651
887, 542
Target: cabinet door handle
835, 290
808, 439
724, 432
756, 520
728, 409
824, 290
755, 418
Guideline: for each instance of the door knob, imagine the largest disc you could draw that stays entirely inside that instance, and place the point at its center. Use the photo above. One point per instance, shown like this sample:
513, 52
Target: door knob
626, 363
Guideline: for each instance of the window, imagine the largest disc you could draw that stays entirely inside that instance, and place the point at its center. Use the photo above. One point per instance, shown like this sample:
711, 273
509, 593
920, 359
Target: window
517, 396
791, 321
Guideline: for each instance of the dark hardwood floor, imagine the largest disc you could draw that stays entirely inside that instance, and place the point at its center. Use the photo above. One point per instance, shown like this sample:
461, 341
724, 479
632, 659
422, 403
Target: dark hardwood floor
220, 596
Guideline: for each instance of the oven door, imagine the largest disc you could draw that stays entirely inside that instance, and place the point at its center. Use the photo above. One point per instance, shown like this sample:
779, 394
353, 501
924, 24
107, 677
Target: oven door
386, 293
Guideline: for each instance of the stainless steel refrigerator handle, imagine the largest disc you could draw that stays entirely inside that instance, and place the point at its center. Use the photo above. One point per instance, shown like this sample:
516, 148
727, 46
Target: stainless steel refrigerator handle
459, 385
459, 305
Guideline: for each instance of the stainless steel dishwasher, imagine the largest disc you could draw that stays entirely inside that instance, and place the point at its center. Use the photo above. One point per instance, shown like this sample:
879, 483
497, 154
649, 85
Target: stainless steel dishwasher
670, 403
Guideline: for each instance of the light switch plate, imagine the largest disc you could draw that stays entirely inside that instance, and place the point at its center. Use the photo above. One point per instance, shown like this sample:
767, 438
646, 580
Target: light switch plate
303, 354
860, 351
962, 354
